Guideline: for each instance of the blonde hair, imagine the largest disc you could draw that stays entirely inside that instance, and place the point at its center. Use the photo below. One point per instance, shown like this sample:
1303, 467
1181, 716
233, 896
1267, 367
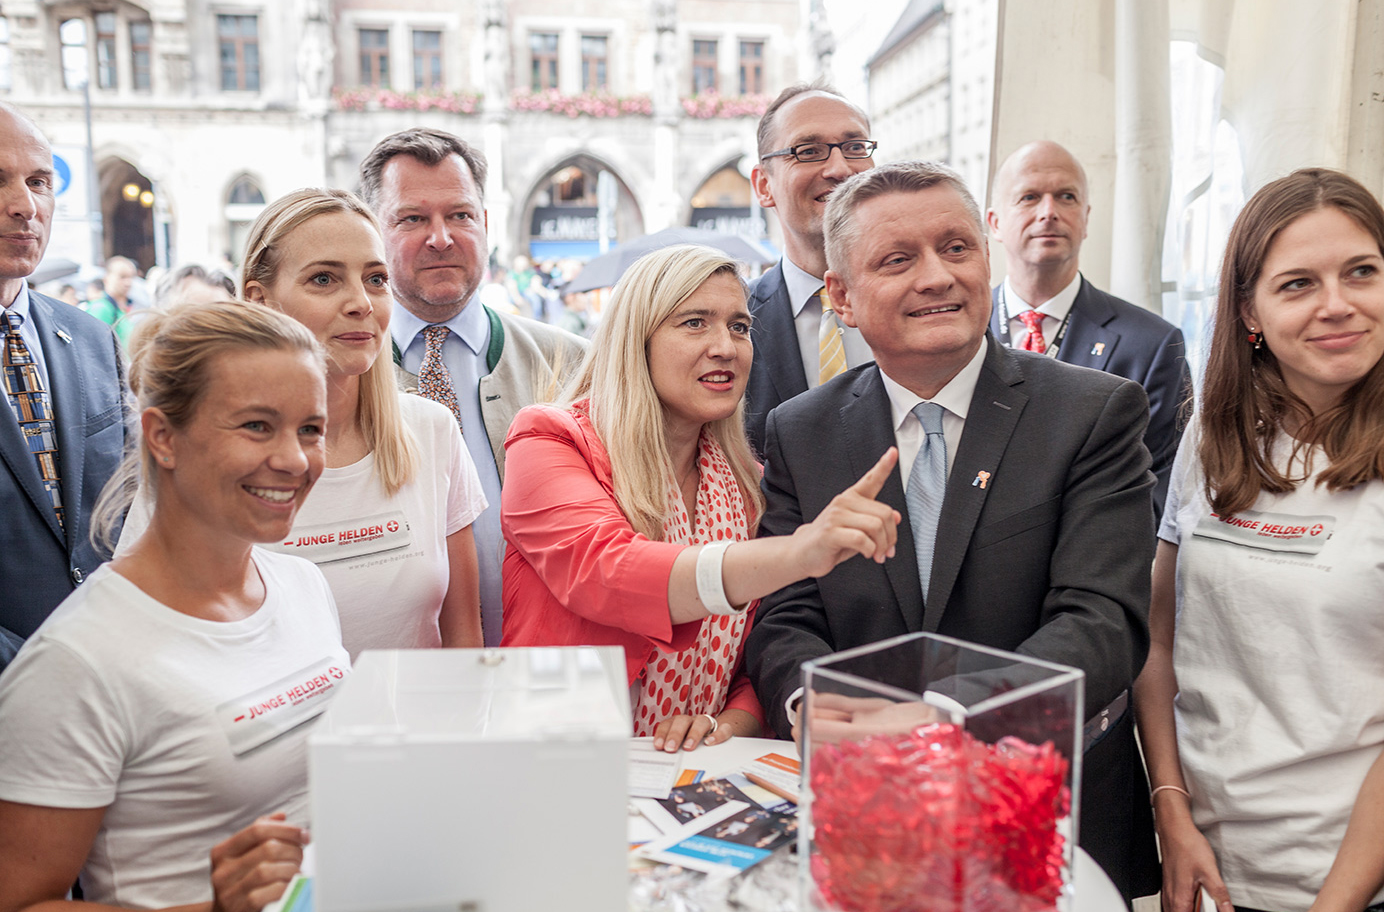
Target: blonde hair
171, 355
394, 446
624, 407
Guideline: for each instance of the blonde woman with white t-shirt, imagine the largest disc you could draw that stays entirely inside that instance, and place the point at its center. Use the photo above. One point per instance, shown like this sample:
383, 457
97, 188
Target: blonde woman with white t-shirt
145, 745
1262, 703
390, 521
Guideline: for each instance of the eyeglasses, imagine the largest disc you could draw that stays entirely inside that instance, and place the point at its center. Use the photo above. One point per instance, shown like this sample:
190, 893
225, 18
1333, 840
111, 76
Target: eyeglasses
820, 151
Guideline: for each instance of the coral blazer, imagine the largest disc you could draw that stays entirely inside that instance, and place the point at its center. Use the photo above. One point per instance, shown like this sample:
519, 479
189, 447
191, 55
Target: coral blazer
575, 571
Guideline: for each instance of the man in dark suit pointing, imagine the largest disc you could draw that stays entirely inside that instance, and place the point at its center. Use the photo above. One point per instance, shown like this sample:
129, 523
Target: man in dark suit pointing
1024, 482
1039, 208
62, 429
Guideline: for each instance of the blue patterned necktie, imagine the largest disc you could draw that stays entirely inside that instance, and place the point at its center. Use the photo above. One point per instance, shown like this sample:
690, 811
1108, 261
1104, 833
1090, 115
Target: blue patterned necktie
927, 485
28, 399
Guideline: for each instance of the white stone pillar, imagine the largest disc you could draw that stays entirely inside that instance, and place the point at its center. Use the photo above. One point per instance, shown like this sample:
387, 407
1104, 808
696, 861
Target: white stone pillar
1365, 156
1143, 150
498, 200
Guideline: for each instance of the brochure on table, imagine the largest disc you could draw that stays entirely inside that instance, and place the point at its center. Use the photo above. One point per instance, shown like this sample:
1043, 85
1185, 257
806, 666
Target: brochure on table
718, 826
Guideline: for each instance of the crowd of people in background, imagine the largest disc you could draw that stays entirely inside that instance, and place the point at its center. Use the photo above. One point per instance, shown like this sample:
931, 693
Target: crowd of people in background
725, 478
526, 289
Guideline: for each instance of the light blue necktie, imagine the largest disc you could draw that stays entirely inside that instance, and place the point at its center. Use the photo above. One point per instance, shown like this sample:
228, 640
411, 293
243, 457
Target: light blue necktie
927, 484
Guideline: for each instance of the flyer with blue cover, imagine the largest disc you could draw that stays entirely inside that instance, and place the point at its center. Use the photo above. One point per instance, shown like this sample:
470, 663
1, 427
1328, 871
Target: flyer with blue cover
725, 829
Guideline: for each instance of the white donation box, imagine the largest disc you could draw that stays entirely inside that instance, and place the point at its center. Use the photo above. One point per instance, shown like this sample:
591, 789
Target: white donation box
473, 780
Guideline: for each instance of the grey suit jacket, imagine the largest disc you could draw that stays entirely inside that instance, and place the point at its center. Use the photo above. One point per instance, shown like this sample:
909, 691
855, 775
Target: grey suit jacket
40, 561
529, 362
1109, 334
777, 372
1051, 558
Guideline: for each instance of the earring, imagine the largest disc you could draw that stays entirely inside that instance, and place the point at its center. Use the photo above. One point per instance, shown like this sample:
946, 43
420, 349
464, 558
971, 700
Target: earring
165, 459
1256, 338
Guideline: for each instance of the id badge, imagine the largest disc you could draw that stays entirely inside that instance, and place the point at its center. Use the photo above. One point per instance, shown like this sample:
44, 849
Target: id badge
1269, 531
326, 542
258, 717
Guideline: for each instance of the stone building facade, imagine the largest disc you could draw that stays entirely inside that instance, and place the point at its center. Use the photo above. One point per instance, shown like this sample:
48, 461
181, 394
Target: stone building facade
932, 86
632, 115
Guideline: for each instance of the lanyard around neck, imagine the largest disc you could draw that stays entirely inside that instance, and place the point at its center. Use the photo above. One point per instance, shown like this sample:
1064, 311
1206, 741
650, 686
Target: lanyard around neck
1053, 346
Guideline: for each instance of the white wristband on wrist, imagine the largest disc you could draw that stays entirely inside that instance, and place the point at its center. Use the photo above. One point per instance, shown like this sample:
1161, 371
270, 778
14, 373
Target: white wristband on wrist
710, 589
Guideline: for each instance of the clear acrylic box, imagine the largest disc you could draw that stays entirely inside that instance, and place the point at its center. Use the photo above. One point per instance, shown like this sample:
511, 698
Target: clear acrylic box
938, 776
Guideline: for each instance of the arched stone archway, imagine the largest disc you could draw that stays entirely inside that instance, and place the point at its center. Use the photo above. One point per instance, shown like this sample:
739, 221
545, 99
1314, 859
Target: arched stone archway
560, 217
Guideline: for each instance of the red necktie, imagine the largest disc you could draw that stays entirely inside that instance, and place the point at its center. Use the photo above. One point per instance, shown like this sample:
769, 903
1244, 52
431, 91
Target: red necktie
1034, 342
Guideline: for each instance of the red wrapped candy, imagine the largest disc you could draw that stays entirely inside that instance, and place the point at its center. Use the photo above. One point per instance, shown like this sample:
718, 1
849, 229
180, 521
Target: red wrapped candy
938, 821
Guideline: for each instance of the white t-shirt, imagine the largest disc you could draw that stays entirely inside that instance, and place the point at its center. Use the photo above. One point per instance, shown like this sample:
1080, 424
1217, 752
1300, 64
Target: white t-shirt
184, 729
1279, 654
385, 558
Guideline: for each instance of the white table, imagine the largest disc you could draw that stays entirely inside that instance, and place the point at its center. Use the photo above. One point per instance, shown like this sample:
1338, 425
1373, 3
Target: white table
772, 885
1093, 891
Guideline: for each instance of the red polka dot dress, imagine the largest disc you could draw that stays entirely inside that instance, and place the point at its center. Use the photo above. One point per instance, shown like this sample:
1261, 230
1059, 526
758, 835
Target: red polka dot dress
697, 679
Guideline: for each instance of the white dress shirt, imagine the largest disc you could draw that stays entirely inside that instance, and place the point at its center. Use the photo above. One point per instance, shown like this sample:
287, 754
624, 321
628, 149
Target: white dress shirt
802, 285
955, 399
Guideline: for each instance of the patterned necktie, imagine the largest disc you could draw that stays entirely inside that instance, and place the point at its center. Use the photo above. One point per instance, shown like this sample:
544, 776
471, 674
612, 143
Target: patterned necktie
1034, 341
927, 485
24, 389
434, 380
831, 353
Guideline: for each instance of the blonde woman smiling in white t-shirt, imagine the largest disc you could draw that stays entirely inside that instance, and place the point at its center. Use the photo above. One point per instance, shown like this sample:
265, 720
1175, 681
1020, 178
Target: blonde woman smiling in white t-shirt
143, 727
390, 521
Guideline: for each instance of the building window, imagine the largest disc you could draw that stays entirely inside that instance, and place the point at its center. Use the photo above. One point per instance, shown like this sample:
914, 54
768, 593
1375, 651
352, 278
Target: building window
105, 50
543, 53
593, 63
244, 203
6, 82
141, 76
374, 57
703, 67
239, 40
427, 60
73, 36
751, 67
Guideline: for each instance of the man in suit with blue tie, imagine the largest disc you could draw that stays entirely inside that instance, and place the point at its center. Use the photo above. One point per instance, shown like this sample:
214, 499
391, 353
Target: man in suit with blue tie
62, 430
810, 139
1023, 484
1039, 208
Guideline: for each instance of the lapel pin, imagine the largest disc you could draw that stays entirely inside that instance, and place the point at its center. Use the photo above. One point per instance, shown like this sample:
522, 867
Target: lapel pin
1098, 349
65, 337
982, 479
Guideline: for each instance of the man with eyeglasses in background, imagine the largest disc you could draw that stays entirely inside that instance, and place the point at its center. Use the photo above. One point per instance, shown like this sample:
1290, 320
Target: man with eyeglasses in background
809, 141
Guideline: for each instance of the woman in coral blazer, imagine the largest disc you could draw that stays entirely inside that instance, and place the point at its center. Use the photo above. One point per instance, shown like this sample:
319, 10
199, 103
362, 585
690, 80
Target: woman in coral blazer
628, 512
